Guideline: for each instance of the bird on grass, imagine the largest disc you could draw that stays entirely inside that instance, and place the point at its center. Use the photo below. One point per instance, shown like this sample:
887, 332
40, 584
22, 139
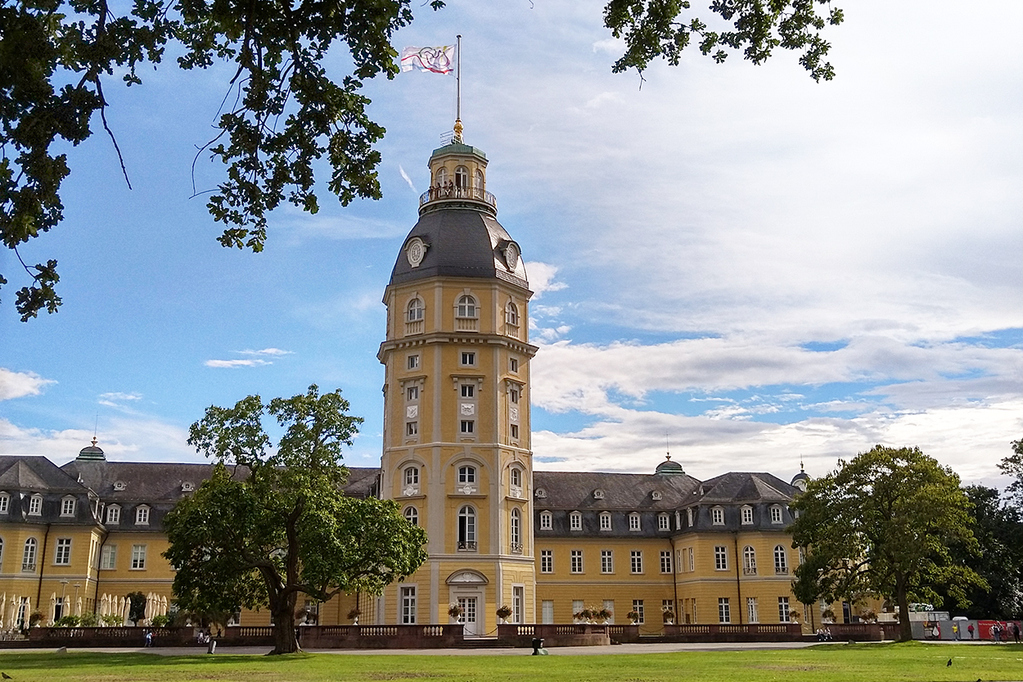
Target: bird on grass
6, 676
949, 663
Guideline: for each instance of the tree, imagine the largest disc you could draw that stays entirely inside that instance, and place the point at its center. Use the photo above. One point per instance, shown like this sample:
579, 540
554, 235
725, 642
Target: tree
136, 607
882, 524
1013, 466
286, 112
273, 523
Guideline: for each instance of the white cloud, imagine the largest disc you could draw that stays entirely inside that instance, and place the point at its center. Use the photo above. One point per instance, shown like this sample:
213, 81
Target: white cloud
20, 384
612, 46
123, 439
236, 363
120, 396
541, 278
265, 351
406, 178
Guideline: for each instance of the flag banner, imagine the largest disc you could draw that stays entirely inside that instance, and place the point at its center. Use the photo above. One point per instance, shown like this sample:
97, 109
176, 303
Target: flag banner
435, 59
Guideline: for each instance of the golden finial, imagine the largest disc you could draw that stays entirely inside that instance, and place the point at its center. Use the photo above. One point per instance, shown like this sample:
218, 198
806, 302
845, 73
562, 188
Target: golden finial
458, 130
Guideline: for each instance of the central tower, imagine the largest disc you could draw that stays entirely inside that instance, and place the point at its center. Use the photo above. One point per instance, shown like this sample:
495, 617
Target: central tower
457, 454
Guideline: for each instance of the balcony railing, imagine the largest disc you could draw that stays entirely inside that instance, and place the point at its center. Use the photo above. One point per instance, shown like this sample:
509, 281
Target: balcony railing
749, 570
516, 548
781, 570
467, 324
452, 192
414, 327
466, 546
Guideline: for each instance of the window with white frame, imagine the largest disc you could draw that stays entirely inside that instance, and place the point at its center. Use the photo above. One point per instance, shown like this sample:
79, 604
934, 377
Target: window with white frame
692, 559
35, 505
467, 529
605, 520
408, 604
28, 557
142, 515
575, 521
108, 558
412, 475
781, 560
634, 523
546, 519
636, 560
724, 610
513, 365
663, 522
113, 514
607, 561
412, 361
784, 615
479, 179
412, 393
5, 503
515, 481
412, 429
468, 358
547, 611
466, 474
752, 613
467, 307
637, 606
468, 390
749, 561
138, 557
414, 315
462, 177
776, 514
717, 516
576, 565
665, 561
513, 394
516, 531
412, 515
467, 426
67, 506
689, 517
747, 516
518, 603
511, 314
720, 558
546, 561
62, 552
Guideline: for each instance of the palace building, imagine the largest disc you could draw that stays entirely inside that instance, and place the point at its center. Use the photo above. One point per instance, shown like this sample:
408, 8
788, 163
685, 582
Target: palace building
457, 458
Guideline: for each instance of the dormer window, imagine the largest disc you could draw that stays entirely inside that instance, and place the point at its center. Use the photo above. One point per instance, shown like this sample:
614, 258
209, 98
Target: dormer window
656, 496
598, 494
605, 521
747, 516
5, 503
113, 514
545, 520
67, 507
120, 485
717, 516
575, 521
634, 522
142, 515
187, 487
35, 505
541, 494
776, 514
663, 521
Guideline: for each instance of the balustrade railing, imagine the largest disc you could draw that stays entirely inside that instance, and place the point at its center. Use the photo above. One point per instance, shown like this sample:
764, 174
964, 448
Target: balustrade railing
452, 192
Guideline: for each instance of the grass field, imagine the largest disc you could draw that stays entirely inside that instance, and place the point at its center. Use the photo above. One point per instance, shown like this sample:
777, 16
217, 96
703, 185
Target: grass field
867, 662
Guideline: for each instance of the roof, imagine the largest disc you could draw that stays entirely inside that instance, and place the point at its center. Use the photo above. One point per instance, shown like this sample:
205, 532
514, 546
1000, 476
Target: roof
35, 474
738, 486
460, 242
623, 492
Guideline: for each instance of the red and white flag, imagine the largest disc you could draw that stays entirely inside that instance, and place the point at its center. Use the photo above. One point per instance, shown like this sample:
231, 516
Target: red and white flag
435, 59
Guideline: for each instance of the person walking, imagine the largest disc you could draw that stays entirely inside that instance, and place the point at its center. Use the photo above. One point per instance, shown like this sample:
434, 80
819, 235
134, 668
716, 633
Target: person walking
1015, 632
955, 631
969, 628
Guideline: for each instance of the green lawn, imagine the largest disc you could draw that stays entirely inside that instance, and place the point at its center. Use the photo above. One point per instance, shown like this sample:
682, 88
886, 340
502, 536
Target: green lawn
867, 662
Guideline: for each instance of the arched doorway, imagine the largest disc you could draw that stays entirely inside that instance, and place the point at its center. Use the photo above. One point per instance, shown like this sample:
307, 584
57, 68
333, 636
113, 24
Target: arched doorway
466, 588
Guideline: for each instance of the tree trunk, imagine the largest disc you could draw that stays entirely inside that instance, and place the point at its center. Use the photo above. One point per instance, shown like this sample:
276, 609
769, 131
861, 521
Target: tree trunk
285, 641
901, 598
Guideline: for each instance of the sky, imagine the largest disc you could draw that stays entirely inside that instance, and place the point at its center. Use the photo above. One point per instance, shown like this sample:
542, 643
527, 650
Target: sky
730, 262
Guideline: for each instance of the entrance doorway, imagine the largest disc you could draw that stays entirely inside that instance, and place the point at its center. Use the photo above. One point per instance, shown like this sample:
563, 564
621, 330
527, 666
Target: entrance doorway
468, 617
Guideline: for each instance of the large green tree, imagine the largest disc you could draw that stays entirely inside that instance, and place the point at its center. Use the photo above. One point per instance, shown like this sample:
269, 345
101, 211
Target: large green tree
882, 524
283, 111
273, 523
1013, 466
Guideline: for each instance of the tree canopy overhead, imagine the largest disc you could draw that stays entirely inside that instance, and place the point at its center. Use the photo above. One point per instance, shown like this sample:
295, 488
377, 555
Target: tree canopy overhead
883, 524
273, 523
283, 111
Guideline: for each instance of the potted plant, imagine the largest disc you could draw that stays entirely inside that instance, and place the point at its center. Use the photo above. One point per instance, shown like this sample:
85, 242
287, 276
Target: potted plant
354, 614
828, 616
455, 611
584, 616
668, 616
503, 612
604, 615
794, 616
35, 619
633, 617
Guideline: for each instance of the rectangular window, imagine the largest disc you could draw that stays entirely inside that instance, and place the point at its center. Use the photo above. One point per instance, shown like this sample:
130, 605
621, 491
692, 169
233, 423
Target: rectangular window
720, 558
665, 561
35, 505
408, 605
5, 503
717, 516
411, 475
466, 474
752, 616
747, 516
411, 428
468, 391
513, 395
545, 521
67, 506
108, 559
468, 358
775, 514
513, 364
518, 602
575, 521
636, 557
577, 561
547, 611
113, 514
663, 522
724, 610
605, 521
607, 562
667, 605
634, 522
468, 426
577, 606
637, 606
62, 557
546, 561
142, 516
138, 557
412, 393
692, 559
783, 610
514, 430
413, 361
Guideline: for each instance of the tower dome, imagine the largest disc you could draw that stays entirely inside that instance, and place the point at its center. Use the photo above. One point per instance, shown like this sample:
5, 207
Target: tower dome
91, 452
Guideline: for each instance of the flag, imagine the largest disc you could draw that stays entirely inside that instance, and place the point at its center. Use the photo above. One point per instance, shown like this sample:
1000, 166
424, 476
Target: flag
435, 59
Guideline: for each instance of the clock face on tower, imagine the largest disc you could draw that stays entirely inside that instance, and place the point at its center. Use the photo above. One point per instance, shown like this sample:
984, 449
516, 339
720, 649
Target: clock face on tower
415, 251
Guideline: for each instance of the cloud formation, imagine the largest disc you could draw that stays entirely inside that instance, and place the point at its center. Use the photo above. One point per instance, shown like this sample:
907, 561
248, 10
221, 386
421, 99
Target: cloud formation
20, 384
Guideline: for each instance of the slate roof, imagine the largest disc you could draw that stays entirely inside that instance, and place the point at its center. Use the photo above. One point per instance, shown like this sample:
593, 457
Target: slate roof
35, 474
738, 487
624, 492
461, 242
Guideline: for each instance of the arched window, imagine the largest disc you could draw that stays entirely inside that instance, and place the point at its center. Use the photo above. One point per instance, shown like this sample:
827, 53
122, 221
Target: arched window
467, 529
776, 514
28, 559
412, 475
605, 520
412, 515
747, 516
634, 521
516, 532
511, 314
142, 515
113, 514
479, 179
467, 307
781, 560
442, 176
749, 561
35, 505
717, 516
575, 521
416, 309
462, 177
546, 519
515, 477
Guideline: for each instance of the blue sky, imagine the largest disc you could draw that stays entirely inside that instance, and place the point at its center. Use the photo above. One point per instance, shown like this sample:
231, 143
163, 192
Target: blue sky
735, 261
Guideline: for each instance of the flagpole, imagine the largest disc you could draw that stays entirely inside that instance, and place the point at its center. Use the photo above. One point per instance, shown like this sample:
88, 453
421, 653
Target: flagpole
458, 89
